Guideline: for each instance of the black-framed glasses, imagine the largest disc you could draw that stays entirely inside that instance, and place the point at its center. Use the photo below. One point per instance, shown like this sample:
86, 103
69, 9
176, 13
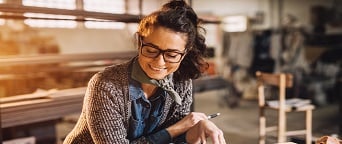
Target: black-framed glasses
152, 51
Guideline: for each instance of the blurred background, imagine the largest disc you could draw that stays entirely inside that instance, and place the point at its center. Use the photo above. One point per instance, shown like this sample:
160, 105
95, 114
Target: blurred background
49, 49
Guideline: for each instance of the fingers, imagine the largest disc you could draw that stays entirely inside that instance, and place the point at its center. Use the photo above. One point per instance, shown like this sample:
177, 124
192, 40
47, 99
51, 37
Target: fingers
203, 138
198, 115
216, 137
221, 138
194, 117
215, 133
186, 123
215, 140
205, 129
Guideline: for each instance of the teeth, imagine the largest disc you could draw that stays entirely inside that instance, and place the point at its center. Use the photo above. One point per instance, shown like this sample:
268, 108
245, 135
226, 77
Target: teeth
157, 69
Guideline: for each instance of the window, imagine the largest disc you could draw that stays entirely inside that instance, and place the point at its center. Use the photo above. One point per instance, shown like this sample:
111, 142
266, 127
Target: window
106, 6
2, 21
61, 4
104, 25
51, 23
237, 23
65, 23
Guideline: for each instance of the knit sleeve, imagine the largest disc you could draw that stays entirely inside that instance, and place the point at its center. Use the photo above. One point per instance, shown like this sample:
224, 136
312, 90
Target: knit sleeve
104, 115
185, 108
105, 112
180, 111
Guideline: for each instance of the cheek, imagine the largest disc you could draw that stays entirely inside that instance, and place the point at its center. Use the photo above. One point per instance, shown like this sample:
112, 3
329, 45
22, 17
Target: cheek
143, 61
173, 68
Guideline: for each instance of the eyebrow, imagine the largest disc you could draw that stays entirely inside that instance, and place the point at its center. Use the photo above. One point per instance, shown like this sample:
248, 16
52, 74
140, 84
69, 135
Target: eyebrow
155, 46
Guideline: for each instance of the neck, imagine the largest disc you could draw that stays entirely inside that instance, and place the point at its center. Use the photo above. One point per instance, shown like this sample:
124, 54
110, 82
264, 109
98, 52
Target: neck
149, 89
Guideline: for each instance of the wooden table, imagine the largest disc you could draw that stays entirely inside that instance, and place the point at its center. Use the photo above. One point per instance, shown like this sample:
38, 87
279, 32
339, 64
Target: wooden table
42, 108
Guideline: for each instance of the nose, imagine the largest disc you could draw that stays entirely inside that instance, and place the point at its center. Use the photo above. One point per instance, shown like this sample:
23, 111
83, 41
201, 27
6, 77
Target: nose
160, 59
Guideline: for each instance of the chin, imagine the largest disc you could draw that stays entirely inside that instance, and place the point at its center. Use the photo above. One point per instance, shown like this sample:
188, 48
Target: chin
157, 77
157, 74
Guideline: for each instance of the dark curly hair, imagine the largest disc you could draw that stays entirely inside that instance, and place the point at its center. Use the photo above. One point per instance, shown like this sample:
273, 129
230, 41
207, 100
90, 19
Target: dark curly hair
180, 17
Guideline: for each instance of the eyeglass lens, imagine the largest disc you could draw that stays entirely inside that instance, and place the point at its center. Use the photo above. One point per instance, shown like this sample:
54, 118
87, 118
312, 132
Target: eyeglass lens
153, 52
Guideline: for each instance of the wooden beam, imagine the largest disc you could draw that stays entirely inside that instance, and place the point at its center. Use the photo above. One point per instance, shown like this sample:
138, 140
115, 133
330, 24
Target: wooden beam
80, 14
59, 58
10, 8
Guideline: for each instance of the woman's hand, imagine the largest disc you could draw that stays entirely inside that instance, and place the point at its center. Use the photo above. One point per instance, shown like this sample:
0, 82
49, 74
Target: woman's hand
199, 133
186, 123
192, 119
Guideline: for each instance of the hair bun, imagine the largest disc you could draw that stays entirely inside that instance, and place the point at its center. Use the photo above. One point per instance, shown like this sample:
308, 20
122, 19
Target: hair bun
182, 8
175, 4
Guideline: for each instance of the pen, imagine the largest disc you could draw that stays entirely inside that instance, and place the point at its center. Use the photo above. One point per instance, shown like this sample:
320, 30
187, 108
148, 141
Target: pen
213, 115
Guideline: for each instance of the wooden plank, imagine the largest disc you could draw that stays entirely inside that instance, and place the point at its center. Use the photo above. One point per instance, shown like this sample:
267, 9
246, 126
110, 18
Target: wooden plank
36, 114
54, 105
39, 114
38, 103
26, 97
60, 58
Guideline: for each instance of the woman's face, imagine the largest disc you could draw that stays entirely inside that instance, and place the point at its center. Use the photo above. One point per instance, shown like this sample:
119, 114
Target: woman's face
171, 43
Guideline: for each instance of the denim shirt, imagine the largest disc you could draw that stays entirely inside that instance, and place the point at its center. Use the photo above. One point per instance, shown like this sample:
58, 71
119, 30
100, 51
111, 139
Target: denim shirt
146, 114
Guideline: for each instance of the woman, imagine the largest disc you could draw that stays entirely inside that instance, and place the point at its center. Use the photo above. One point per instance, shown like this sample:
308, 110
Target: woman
147, 100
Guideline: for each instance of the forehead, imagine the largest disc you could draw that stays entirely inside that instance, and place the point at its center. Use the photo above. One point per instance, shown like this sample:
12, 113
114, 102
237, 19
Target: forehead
166, 38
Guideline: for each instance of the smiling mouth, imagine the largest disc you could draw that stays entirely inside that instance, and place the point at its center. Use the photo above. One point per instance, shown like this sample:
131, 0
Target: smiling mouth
157, 69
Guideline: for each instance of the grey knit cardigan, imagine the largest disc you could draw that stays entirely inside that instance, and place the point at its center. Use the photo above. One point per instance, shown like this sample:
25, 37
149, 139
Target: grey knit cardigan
107, 108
